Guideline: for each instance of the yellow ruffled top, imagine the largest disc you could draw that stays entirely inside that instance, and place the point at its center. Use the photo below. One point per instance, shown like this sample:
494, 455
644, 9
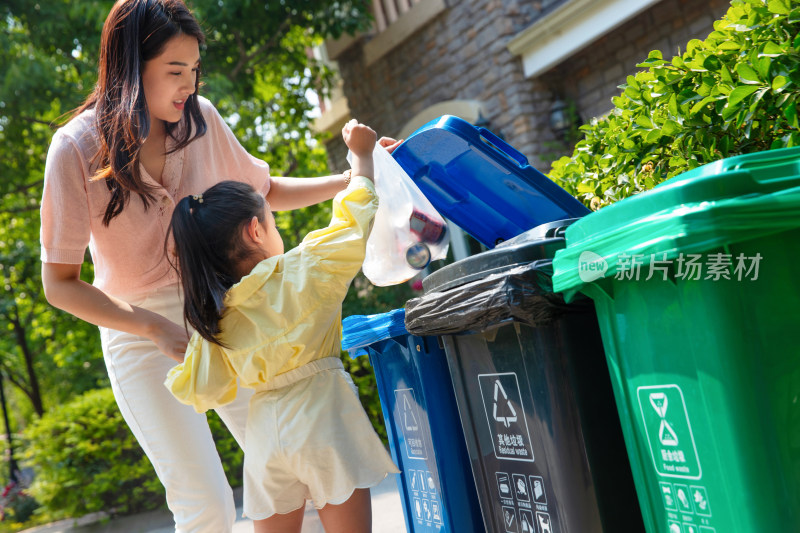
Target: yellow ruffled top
285, 313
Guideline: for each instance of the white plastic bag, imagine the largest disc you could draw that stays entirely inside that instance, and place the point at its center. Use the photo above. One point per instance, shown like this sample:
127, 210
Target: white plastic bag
408, 233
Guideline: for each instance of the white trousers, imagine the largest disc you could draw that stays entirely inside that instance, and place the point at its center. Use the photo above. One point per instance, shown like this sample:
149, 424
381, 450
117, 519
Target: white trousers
177, 440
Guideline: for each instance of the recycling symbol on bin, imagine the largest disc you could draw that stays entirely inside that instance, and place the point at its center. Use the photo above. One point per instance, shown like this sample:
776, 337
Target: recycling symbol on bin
666, 425
511, 415
666, 434
409, 420
505, 416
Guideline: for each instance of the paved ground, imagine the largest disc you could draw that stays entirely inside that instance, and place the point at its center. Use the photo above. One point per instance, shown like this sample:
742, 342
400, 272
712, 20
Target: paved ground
387, 517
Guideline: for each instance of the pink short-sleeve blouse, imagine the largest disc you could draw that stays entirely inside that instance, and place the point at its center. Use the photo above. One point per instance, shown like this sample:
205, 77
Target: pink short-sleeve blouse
128, 255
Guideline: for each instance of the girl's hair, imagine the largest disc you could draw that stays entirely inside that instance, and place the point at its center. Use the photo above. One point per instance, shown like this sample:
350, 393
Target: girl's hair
206, 233
136, 31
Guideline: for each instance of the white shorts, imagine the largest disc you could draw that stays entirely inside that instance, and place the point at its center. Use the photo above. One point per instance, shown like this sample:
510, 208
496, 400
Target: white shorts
309, 439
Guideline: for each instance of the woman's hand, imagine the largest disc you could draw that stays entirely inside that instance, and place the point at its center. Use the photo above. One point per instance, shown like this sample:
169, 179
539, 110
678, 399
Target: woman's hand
170, 338
389, 143
65, 290
360, 139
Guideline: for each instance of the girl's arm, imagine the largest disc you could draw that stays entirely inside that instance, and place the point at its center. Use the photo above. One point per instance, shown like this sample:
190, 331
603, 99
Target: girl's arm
292, 193
65, 290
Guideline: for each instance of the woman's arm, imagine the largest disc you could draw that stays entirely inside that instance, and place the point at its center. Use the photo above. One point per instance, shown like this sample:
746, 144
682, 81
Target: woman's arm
65, 290
292, 193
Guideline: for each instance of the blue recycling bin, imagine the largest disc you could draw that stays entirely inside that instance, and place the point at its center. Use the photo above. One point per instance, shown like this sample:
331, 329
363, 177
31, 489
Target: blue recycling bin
480, 182
427, 442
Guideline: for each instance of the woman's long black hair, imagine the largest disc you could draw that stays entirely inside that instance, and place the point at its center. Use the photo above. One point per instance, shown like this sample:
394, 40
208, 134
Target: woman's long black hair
136, 31
206, 233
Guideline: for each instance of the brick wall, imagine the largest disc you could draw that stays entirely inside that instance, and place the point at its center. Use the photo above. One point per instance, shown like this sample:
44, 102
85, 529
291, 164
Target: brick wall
592, 76
462, 54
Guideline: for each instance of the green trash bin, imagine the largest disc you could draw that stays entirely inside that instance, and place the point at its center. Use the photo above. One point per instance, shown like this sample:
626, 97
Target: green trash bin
696, 285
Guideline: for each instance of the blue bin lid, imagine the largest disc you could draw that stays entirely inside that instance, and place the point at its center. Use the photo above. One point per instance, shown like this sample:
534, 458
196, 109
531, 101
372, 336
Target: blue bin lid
478, 181
360, 331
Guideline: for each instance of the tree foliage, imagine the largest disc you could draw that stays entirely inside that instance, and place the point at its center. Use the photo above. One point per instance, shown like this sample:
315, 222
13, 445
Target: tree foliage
258, 70
733, 93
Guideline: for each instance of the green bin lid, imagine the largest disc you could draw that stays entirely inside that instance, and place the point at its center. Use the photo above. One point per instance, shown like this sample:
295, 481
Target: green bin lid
727, 201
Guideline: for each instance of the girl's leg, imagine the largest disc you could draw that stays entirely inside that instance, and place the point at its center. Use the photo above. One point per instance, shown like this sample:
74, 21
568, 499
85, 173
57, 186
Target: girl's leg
281, 523
352, 516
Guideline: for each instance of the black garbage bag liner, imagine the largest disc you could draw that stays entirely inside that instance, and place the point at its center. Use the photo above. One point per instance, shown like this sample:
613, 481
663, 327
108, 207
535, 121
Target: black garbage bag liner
523, 293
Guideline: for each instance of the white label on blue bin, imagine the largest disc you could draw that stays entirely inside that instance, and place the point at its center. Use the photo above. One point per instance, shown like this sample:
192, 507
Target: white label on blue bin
669, 432
421, 483
427, 510
506, 416
430, 486
418, 509
437, 512
409, 422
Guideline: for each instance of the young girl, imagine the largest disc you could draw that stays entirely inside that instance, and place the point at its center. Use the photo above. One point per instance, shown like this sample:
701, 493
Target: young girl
272, 322
142, 140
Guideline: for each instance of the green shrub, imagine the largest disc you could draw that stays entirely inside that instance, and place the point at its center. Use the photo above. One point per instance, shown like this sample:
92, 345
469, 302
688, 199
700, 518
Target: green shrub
85, 459
364, 378
230, 453
734, 93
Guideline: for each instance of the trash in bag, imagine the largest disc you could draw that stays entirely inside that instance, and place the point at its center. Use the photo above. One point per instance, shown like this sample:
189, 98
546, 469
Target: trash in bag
408, 233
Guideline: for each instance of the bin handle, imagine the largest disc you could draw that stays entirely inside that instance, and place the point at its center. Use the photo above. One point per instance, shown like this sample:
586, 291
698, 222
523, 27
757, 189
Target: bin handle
774, 170
558, 232
503, 147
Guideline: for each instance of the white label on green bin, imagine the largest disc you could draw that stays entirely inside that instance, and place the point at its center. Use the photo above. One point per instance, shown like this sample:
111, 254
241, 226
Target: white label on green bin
669, 433
505, 415
408, 421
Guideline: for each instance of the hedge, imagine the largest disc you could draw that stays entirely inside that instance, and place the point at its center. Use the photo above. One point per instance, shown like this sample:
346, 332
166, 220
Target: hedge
735, 92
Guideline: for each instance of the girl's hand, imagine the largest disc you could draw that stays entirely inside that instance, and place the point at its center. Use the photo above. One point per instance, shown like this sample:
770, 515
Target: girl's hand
170, 338
389, 143
360, 139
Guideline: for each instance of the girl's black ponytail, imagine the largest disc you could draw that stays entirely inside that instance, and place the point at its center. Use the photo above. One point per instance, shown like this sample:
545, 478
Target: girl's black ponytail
206, 233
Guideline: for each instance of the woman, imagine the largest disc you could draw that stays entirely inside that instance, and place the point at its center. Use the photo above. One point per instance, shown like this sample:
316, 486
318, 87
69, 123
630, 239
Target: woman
142, 140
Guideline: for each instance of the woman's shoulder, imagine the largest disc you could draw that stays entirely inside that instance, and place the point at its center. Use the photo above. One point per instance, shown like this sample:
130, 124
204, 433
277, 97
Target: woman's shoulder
211, 115
81, 131
208, 109
204, 103
79, 124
